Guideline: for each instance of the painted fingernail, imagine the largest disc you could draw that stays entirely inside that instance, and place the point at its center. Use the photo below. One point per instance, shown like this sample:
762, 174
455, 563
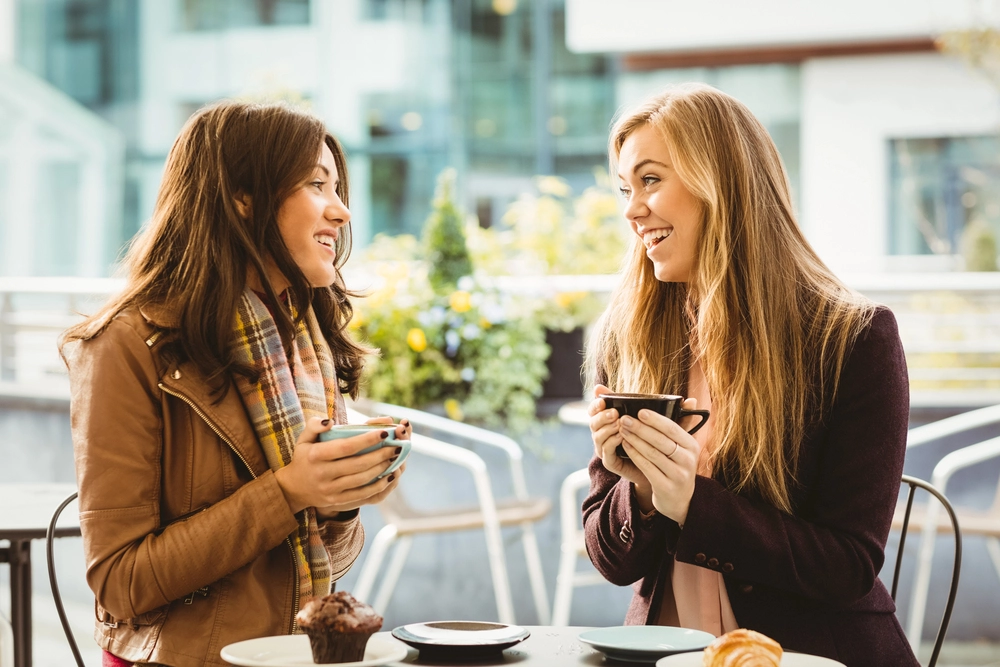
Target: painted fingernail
383, 434
393, 459
391, 477
399, 450
404, 422
325, 422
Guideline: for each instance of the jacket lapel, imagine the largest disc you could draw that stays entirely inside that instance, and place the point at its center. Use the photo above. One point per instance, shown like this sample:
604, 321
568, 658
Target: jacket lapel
228, 417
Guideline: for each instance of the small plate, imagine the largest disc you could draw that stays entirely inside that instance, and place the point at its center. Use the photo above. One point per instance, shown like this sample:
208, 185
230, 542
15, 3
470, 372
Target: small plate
466, 640
294, 650
645, 643
787, 660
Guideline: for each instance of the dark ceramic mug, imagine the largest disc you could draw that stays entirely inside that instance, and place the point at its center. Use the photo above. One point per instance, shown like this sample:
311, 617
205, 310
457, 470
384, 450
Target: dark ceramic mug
667, 405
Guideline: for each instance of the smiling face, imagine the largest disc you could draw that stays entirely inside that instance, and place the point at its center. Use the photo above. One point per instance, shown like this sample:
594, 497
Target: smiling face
660, 209
310, 220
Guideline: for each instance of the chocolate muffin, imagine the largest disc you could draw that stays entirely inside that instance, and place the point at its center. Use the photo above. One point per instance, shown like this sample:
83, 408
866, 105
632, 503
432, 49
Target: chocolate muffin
338, 626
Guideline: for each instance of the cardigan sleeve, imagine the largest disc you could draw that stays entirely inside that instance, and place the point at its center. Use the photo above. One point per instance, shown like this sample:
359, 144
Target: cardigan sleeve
622, 545
831, 550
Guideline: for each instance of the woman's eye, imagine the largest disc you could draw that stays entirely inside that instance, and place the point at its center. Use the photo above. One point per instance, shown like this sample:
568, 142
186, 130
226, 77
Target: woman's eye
318, 184
649, 180
625, 192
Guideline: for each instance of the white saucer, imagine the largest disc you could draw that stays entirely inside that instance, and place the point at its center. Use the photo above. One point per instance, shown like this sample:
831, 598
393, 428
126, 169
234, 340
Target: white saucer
294, 650
787, 660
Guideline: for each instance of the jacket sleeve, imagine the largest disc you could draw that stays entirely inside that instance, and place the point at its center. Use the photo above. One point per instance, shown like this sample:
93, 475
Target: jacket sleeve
135, 564
622, 545
831, 550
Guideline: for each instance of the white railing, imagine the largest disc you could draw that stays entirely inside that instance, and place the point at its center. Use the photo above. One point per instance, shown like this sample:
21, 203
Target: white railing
949, 323
33, 312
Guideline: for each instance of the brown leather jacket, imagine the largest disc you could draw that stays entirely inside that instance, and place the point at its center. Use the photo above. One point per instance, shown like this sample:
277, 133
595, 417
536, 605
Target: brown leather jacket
185, 529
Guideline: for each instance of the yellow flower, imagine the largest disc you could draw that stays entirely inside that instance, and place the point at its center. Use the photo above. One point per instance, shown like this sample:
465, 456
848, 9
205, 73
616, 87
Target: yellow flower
484, 323
460, 301
567, 299
357, 321
416, 339
454, 409
553, 185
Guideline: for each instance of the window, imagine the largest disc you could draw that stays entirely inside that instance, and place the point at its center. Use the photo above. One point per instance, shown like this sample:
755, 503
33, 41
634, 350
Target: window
396, 10
223, 14
938, 188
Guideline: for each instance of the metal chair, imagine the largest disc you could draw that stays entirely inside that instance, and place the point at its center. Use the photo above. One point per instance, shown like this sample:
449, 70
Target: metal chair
975, 522
56, 596
913, 483
572, 547
403, 521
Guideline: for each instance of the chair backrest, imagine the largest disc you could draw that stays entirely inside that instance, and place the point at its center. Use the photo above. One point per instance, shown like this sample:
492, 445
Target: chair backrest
913, 483
56, 596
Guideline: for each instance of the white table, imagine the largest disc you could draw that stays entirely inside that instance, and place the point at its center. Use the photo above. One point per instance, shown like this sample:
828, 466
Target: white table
25, 512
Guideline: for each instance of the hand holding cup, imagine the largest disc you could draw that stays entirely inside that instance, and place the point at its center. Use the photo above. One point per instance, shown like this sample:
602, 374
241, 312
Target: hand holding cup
638, 438
343, 473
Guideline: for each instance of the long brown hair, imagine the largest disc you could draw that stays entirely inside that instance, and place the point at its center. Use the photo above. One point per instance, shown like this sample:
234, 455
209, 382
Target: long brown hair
768, 321
195, 256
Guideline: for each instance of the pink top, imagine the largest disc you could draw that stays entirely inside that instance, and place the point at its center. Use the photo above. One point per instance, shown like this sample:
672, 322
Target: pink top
696, 597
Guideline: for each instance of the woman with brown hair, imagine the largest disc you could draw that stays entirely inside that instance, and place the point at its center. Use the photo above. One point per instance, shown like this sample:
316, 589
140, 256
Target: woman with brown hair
210, 511
774, 516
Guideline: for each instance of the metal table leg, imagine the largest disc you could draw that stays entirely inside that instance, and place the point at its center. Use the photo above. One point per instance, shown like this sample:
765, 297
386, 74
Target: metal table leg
19, 557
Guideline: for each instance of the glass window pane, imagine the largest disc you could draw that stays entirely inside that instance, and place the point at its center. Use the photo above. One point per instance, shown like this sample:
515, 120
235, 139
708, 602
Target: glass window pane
938, 187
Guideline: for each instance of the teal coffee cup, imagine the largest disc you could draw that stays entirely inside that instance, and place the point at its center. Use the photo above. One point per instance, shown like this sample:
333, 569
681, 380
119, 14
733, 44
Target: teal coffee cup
349, 430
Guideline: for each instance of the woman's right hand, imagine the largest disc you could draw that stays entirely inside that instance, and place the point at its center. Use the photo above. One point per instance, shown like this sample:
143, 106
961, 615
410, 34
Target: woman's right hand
327, 474
604, 430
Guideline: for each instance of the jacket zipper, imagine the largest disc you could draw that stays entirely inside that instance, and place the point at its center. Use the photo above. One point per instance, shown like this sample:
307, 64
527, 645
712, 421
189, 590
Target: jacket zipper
288, 540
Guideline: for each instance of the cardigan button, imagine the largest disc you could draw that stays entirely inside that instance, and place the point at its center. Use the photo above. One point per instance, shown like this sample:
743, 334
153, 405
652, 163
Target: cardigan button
699, 558
727, 567
746, 588
713, 562
626, 533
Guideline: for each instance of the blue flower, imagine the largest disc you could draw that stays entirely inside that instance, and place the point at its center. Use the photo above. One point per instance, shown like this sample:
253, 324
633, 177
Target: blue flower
452, 340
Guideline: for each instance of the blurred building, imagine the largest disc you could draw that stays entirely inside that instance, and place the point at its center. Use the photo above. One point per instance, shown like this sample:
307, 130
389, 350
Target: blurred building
410, 86
891, 146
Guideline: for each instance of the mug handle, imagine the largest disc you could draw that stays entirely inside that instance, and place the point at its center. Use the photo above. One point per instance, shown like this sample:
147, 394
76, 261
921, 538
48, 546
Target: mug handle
699, 413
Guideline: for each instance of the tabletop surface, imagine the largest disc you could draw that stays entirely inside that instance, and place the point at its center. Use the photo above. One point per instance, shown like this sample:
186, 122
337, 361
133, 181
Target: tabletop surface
26, 509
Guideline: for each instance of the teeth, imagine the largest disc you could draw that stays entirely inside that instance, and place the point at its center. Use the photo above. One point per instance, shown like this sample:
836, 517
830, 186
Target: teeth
654, 236
326, 240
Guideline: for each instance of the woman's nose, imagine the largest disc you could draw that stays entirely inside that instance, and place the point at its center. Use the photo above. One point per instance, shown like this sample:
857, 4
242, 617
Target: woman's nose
634, 209
337, 212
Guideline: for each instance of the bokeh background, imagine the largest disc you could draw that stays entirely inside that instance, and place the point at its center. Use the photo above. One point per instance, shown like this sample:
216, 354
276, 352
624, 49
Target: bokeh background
489, 119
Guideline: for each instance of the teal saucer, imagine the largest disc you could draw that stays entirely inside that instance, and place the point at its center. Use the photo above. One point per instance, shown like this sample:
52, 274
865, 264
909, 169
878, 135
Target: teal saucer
645, 643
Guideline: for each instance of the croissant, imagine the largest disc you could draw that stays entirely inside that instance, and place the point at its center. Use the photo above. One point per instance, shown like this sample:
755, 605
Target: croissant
743, 648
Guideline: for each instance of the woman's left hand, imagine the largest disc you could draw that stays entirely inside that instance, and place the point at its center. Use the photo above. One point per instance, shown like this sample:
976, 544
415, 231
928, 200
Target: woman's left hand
667, 455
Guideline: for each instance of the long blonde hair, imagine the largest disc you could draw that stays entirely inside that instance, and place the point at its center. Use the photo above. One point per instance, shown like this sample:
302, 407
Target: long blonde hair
768, 321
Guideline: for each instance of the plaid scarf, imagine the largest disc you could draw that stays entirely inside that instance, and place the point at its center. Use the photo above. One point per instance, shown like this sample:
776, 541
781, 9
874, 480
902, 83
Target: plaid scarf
280, 403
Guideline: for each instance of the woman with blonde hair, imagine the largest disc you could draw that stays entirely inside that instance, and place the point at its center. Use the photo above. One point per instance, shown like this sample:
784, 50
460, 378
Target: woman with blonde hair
774, 516
210, 511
